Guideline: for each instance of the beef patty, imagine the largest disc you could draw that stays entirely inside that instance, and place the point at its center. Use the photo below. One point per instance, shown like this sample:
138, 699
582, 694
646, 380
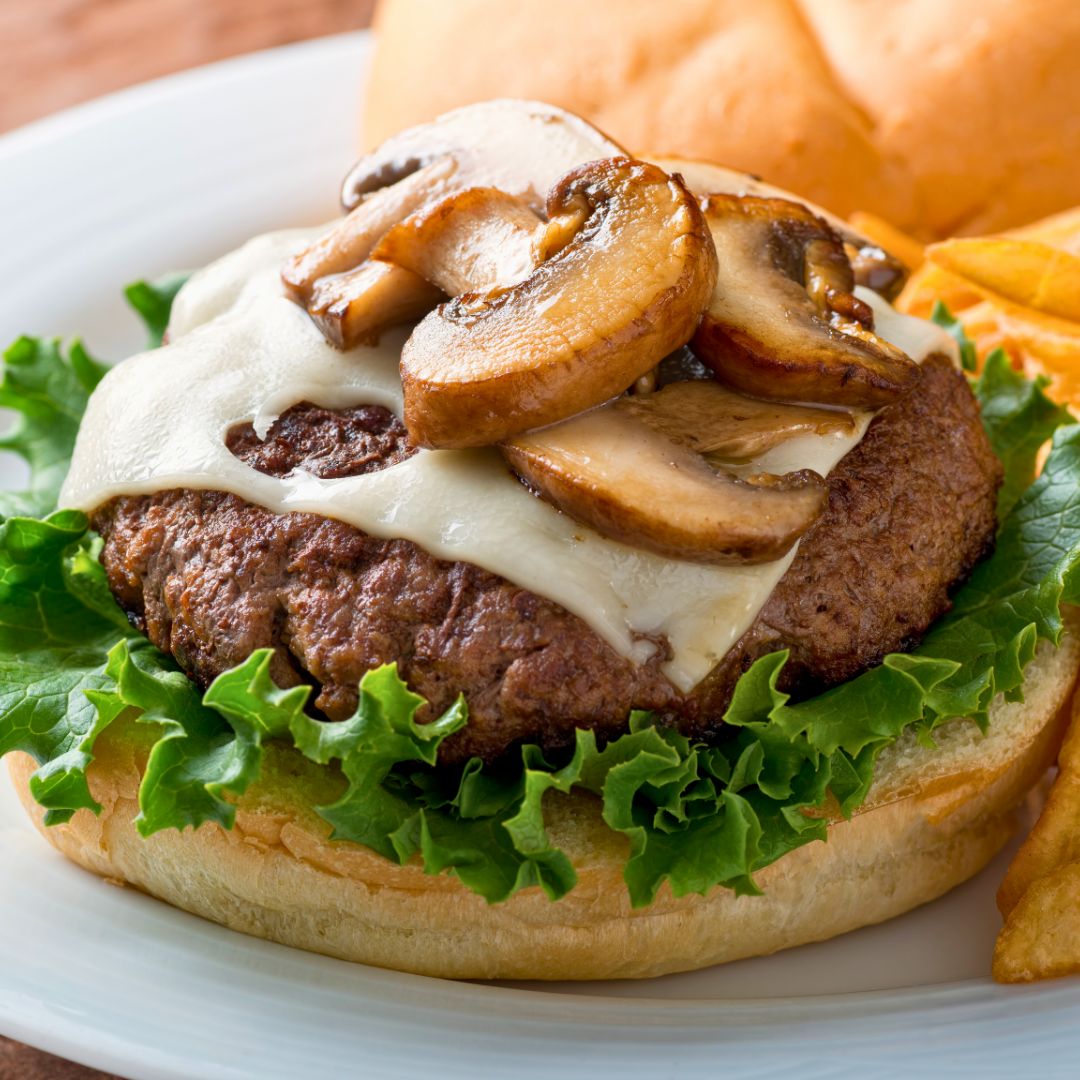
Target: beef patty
209, 578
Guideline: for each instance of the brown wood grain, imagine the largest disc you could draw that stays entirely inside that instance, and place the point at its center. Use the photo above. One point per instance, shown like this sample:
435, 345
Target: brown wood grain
19, 1062
55, 53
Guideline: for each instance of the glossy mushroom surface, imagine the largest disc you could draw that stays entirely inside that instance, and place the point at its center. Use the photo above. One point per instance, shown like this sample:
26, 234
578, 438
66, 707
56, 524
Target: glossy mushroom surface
783, 322
473, 241
354, 307
873, 266
724, 425
347, 243
519, 147
612, 471
627, 289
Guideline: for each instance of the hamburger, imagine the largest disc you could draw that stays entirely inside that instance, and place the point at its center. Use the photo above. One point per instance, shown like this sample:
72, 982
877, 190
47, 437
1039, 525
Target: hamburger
565, 565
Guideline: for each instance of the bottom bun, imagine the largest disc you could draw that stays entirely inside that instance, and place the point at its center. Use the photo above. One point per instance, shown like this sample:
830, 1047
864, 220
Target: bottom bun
933, 819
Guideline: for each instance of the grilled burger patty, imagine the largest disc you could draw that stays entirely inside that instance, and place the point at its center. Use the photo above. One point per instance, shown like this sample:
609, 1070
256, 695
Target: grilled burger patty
209, 578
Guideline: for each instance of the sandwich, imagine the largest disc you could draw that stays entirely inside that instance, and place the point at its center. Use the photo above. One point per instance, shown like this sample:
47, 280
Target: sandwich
566, 564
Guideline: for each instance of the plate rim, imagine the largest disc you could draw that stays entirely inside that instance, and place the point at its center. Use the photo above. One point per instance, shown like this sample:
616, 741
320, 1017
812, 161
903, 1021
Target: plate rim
150, 92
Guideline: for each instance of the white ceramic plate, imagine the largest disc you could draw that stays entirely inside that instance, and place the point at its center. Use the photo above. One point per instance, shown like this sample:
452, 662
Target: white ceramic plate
166, 176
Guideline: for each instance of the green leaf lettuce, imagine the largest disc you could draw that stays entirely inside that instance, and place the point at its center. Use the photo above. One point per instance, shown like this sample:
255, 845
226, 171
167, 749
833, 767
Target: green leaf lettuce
693, 816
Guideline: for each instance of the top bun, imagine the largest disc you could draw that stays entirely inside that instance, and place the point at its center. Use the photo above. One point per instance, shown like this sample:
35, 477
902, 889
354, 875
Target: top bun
943, 116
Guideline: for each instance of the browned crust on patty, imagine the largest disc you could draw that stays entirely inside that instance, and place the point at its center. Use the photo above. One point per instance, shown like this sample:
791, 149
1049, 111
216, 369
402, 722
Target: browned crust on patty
209, 578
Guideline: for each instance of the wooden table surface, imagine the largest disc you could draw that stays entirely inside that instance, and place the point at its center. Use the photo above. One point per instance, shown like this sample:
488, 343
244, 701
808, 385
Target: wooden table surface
56, 53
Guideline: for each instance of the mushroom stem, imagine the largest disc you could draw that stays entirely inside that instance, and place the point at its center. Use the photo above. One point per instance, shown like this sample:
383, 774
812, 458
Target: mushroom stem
350, 241
355, 307
519, 147
475, 241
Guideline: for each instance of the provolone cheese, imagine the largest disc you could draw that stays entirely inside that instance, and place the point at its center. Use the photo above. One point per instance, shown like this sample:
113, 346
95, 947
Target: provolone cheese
240, 351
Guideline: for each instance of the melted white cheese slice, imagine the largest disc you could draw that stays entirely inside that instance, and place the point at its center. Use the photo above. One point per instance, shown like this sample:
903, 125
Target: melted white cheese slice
240, 351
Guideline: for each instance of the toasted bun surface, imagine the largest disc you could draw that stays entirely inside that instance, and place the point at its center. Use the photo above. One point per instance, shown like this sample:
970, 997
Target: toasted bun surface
900, 109
933, 819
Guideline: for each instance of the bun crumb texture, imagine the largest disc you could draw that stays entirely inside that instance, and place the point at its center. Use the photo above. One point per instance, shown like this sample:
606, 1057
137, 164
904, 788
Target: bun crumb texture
944, 118
932, 820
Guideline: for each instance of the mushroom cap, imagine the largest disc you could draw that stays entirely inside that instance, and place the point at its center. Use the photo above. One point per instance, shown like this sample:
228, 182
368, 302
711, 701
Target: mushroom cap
874, 267
625, 291
520, 147
609, 469
783, 321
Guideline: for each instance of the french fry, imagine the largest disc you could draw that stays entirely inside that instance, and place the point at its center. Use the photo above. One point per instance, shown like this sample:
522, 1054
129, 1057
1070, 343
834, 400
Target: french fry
1040, 896
1041, 938
1060, 230
906, 248
1029, 273
1045, 348
1055, 839
1037, 342
986, 325
930, 284
1021, 292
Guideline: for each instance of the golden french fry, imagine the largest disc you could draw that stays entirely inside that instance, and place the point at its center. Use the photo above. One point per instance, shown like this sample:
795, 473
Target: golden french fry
906, 248
931, 283
1040, 346
1056, 335
1029, 273
1038, 343
1055, 839
984, 324
1060, 230
1041, 937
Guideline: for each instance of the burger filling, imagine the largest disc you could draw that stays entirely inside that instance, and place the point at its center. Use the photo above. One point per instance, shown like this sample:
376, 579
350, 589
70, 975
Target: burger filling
210, 577
662, 504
